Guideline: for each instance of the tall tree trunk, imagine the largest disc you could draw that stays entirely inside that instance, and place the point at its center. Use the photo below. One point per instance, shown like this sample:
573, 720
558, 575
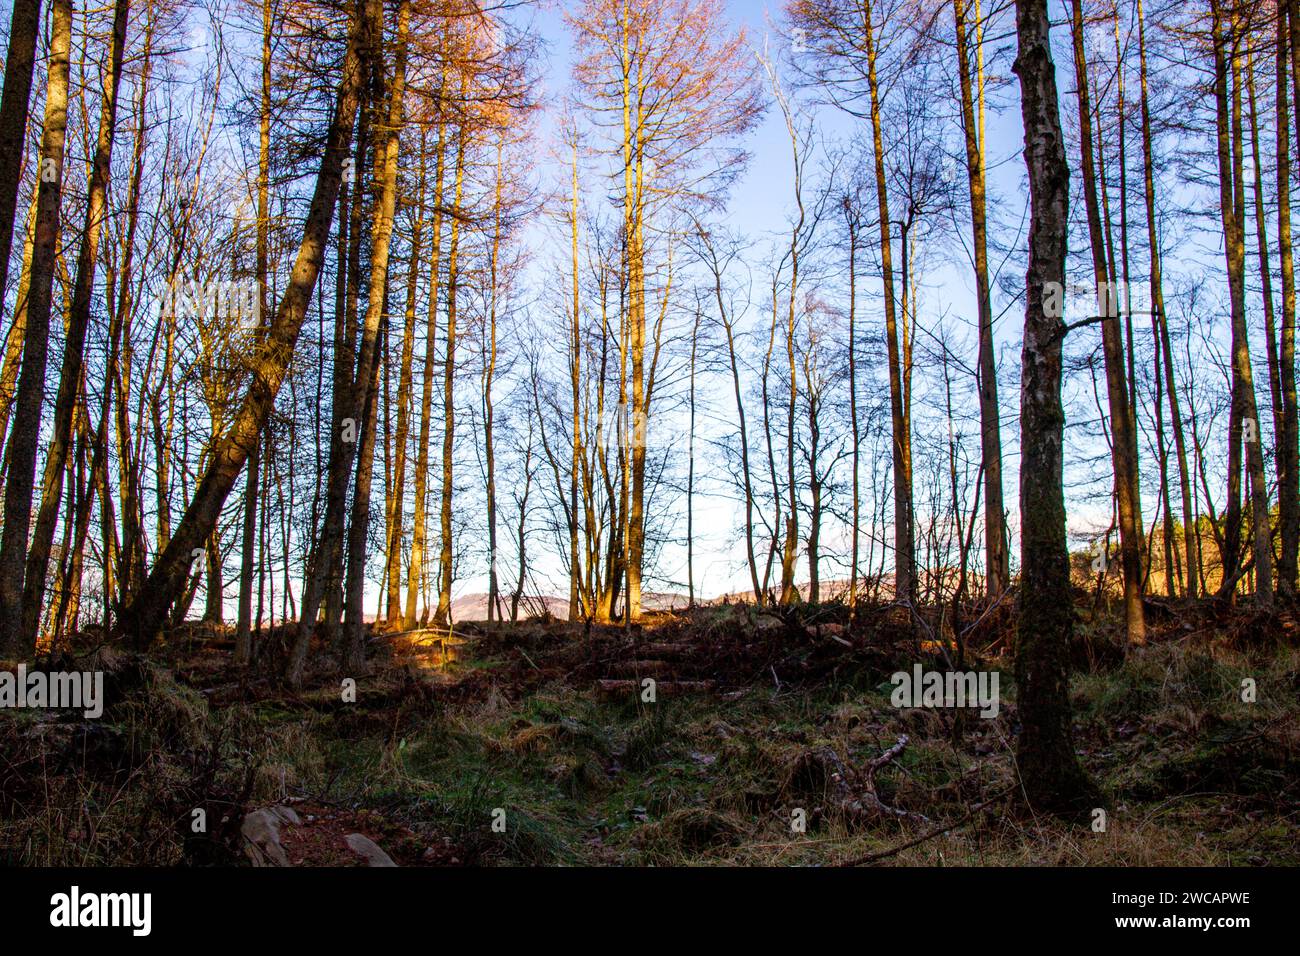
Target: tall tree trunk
1049, 770
30, 397
143, 618
855, 438
20, 62
443, 615
70, 375
575, 380
904, 549
322, 582
996, 560
1288, 451
634, 184
419, 528
248, 549
1123, 428
1264, 258
747, 484
376, 310
1191, 536
489, 377
397, 491
1244, 422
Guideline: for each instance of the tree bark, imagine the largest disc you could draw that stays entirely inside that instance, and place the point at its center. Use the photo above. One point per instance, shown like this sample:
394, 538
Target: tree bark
1124, 456
70, 375
1049, 770
376, 311
25, 435
20, 62
143, 618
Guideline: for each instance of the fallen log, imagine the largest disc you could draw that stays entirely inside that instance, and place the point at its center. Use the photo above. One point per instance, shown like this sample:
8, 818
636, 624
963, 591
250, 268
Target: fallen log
660, 649
642, 668
666, 688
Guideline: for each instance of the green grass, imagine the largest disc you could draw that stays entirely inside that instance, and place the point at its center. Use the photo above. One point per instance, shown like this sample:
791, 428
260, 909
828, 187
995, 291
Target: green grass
1195, 775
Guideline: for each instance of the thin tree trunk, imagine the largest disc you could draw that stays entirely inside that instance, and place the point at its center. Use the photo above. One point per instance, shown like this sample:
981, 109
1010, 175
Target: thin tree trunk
489, 376
904, 550
20, 61
70, 375
1123, 427
397, 491
143, 618
996, 559
443, 614
1244, 422
244, 622
1288, 451
850, 214
1191, 538
419, 528
25, 435
376, 310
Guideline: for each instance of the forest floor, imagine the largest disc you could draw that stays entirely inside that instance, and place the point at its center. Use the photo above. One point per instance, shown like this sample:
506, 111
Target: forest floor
540, 728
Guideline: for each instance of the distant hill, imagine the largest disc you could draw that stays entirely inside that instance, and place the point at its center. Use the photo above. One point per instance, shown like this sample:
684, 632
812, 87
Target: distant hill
473, 607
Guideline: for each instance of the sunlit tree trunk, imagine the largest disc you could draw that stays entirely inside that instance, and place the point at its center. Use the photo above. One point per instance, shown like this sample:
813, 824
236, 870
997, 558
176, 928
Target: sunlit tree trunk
368, 361
1288, 451
443, 615
25, 434
419, 527
78, 319
20, 61
143, 618
1123, 427
396, 504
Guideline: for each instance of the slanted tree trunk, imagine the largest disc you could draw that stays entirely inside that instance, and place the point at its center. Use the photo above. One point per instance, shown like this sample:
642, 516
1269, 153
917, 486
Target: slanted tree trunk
322, 581
20, 61
715, 268
25, 435
71, 372
143, 618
